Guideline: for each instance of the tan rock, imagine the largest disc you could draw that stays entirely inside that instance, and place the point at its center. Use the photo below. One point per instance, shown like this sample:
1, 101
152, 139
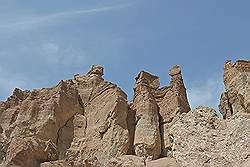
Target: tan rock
163, 162
59, 163
201, 138
147, 140
40, 114
237, 83
102, 132
127, 161
172, 100
24, 152
246, 163
166, 102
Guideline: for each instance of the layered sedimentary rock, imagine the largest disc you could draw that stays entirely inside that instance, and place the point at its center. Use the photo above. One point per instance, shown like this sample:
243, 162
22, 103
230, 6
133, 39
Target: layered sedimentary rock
39, 114
30, 151
102, 132
147, 140
201, 138
172, 100
84, 118
155, 109
87, 121
237, 84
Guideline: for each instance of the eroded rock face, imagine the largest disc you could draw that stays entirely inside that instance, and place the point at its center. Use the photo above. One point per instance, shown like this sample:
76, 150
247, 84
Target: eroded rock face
87, 122
200, 138
127, 161
102, 132
155, 111
40, 115
30, 151
163, 162
237, 84
172, 100
147, 140
85, 118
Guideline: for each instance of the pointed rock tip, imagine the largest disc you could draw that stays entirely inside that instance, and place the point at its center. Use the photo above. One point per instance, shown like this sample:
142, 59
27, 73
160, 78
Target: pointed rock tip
96, 69
175, 70
152, 80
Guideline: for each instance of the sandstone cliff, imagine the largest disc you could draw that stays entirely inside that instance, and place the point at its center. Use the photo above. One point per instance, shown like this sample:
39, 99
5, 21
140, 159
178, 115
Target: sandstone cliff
87, 121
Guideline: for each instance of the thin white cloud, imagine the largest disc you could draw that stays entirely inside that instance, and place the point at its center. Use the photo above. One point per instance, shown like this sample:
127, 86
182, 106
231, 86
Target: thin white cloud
32, 22
206, 93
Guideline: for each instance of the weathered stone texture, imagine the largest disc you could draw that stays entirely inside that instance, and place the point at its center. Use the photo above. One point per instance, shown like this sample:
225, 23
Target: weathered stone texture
200, 138
30, 151
147, 140
237, 84
85, 118
127, 161
87, 122
155, 109
163, 162
102, 132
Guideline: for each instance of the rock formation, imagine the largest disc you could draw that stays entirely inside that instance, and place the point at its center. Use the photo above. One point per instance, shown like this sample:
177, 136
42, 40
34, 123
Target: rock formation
88, 122
201, 138
147, 139
102, 131
237, 84
155, 109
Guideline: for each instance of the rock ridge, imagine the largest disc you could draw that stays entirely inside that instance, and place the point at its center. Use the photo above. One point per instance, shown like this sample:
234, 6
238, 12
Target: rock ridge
88, 122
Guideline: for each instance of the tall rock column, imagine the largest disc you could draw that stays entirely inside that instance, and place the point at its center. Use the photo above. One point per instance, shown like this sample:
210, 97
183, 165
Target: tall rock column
101, 133
147, 141
237, 88
172, 100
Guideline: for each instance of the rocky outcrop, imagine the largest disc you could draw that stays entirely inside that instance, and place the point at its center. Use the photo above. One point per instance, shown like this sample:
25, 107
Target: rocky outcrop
30, 152
147, 140
172, 100
237, 84
102, 132
85, 118
39, 114
87, 121
155, 109
201, 138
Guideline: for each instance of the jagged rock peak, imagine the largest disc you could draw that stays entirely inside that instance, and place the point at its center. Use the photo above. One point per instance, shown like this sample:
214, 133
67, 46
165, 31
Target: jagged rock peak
175, 70
148, 79
96, 69
233, 70
87, 121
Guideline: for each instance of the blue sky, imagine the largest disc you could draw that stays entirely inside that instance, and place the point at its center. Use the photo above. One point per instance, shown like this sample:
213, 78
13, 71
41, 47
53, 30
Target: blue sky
42, 42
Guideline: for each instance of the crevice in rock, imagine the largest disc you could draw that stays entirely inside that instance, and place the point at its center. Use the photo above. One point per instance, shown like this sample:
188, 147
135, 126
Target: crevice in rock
65, 136
161, 127
131, 123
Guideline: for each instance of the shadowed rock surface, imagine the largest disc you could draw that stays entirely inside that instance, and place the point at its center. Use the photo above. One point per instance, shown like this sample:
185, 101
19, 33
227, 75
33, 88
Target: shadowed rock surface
88, 122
